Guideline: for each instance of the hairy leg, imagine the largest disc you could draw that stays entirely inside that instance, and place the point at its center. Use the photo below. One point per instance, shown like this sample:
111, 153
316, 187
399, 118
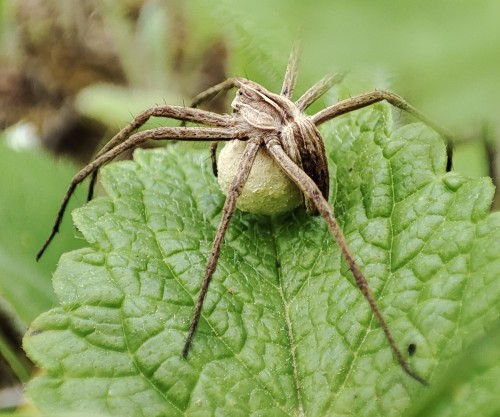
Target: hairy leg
367, 99
291, 73
211, 92
318, 89
213, 157
309, 188
237, 185
208, 95
172, 112
177, 133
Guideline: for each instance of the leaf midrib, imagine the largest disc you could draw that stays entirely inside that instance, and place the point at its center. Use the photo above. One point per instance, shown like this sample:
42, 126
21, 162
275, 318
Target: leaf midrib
290, 334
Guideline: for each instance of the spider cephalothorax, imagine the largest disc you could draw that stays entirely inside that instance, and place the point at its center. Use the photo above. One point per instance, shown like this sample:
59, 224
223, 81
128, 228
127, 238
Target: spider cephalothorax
265, 114
268, 123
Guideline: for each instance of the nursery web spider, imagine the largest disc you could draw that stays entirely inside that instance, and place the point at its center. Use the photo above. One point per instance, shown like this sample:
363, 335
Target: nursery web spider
280, 126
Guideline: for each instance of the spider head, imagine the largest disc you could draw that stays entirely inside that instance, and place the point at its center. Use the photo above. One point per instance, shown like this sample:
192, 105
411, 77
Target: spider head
260, 108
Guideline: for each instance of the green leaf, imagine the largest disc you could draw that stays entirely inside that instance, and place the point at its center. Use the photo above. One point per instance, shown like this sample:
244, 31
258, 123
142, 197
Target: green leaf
30, 198
284, 330
470, 387
31, 185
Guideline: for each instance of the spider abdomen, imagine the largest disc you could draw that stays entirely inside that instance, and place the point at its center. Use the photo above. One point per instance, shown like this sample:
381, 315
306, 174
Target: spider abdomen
303, 143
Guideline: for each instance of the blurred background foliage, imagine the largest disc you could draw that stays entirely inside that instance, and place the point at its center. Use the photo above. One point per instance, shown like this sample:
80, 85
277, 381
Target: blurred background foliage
73, 72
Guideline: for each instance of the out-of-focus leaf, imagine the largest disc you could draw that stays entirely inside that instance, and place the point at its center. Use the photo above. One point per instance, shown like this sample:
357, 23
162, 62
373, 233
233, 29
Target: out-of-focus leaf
470, 387
444, 55
31, 187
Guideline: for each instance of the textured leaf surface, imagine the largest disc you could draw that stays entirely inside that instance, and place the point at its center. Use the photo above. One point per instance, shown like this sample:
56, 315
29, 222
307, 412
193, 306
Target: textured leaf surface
284, 331
470, 386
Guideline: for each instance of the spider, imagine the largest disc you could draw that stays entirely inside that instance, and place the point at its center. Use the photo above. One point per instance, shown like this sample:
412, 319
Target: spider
280, 126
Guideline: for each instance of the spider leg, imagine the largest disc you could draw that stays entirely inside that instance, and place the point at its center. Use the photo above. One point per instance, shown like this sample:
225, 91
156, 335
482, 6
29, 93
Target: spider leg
172, 112
318, 89
367, 99
177, 133
310, 189
211, 92
213, 157
237, 185
291, 72
92, 182
208, 95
